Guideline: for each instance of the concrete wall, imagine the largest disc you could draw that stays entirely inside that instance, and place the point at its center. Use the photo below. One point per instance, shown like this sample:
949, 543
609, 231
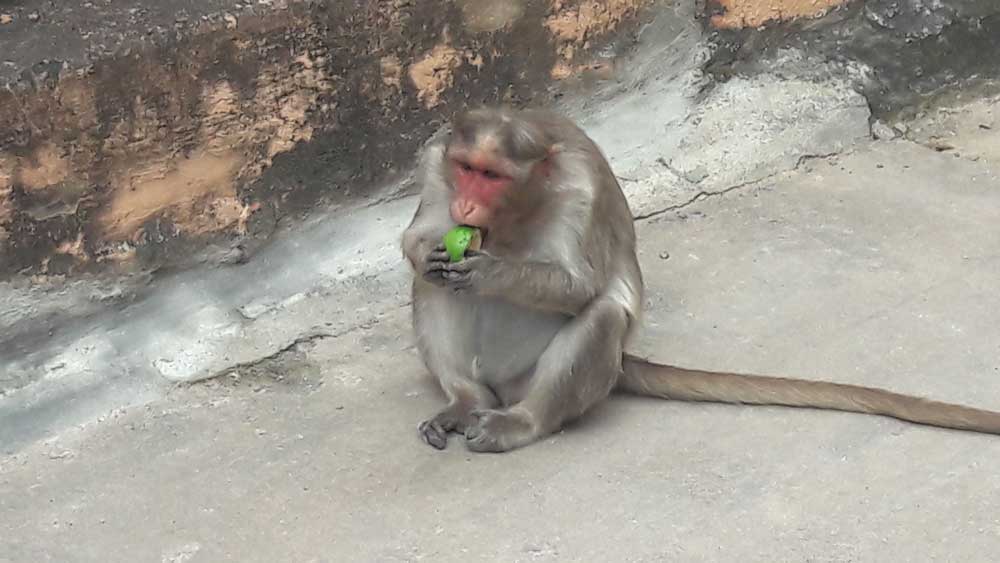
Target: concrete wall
139, 139
206, 124
134, 138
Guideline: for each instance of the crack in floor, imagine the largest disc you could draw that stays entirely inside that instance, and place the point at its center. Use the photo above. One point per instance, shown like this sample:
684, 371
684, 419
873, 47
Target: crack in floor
696, 198
306, 338
708, 194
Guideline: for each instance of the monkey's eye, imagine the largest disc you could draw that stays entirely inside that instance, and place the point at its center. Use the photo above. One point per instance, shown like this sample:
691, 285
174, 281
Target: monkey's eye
465, 167
490, 174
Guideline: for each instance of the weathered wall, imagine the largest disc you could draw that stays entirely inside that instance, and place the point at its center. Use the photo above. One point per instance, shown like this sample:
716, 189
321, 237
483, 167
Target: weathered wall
902, 52
138, 138
159, 154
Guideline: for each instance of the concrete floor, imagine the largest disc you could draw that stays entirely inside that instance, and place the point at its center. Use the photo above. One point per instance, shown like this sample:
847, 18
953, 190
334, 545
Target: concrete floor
878, 266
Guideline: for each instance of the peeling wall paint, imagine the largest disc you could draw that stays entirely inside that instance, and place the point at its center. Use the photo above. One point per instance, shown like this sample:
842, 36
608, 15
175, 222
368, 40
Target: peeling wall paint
172, 152
181, 190
248, 119
45, 167
574, 24
434, 73
754, 13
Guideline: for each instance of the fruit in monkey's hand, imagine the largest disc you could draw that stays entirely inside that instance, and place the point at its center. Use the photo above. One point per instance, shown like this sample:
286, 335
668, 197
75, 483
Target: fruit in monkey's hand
461, 239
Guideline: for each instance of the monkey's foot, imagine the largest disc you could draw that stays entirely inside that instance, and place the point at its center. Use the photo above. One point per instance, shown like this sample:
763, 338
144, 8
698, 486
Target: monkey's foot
435, 431
499, 431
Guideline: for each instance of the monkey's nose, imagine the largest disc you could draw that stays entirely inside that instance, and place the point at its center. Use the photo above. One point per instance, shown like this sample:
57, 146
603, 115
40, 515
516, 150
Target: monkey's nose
465, 211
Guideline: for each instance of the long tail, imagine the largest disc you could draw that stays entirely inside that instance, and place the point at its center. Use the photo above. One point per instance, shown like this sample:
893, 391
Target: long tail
668, 382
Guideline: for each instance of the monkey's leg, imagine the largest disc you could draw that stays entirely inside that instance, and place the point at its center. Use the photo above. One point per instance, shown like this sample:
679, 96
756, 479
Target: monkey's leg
441, 339
578, 369
464, 396
441, 326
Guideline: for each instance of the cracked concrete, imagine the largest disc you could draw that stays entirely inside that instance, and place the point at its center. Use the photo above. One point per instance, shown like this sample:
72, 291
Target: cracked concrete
709, 194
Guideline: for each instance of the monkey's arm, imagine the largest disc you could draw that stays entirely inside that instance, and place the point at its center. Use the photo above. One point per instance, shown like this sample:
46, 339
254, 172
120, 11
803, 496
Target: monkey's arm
425, 233
431, 220
540, 285
417, 239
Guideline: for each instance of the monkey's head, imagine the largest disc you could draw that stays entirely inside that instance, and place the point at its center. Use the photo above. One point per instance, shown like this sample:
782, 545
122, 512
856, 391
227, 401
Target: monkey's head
496, 163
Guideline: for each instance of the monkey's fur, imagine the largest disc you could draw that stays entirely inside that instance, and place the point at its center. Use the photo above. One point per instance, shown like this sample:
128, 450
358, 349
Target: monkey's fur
529, 332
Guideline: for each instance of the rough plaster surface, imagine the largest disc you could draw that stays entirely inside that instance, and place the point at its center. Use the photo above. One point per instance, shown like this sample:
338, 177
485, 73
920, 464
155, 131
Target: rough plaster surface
876, 267
166, 148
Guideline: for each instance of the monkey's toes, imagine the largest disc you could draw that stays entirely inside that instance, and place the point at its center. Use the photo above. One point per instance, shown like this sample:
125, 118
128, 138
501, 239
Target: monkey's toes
479, 439
432, 433
496, 431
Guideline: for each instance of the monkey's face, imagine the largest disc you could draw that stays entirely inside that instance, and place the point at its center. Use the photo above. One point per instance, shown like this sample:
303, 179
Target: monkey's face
495, 169
482, 186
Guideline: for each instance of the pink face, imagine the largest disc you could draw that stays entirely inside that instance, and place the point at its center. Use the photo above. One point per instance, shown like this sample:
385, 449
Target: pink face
479, 188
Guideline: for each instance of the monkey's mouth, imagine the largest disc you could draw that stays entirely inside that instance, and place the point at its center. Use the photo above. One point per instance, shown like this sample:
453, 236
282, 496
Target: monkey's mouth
481, 234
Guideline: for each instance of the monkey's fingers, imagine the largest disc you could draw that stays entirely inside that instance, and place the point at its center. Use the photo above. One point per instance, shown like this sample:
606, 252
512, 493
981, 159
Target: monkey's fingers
457, 280
435, 277
436, 266
453, 275
434, 269
438, 256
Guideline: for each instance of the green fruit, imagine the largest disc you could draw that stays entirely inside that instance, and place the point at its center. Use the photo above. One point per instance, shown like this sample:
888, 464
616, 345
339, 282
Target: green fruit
460, 239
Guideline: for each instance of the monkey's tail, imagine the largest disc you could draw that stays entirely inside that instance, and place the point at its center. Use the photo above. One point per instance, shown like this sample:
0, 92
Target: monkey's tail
668, 382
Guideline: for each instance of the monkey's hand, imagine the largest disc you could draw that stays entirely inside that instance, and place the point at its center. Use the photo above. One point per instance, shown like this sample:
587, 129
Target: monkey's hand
538, 285
468, 274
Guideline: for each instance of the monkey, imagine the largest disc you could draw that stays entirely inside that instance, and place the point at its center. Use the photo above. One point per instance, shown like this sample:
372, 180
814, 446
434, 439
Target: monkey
530, 331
